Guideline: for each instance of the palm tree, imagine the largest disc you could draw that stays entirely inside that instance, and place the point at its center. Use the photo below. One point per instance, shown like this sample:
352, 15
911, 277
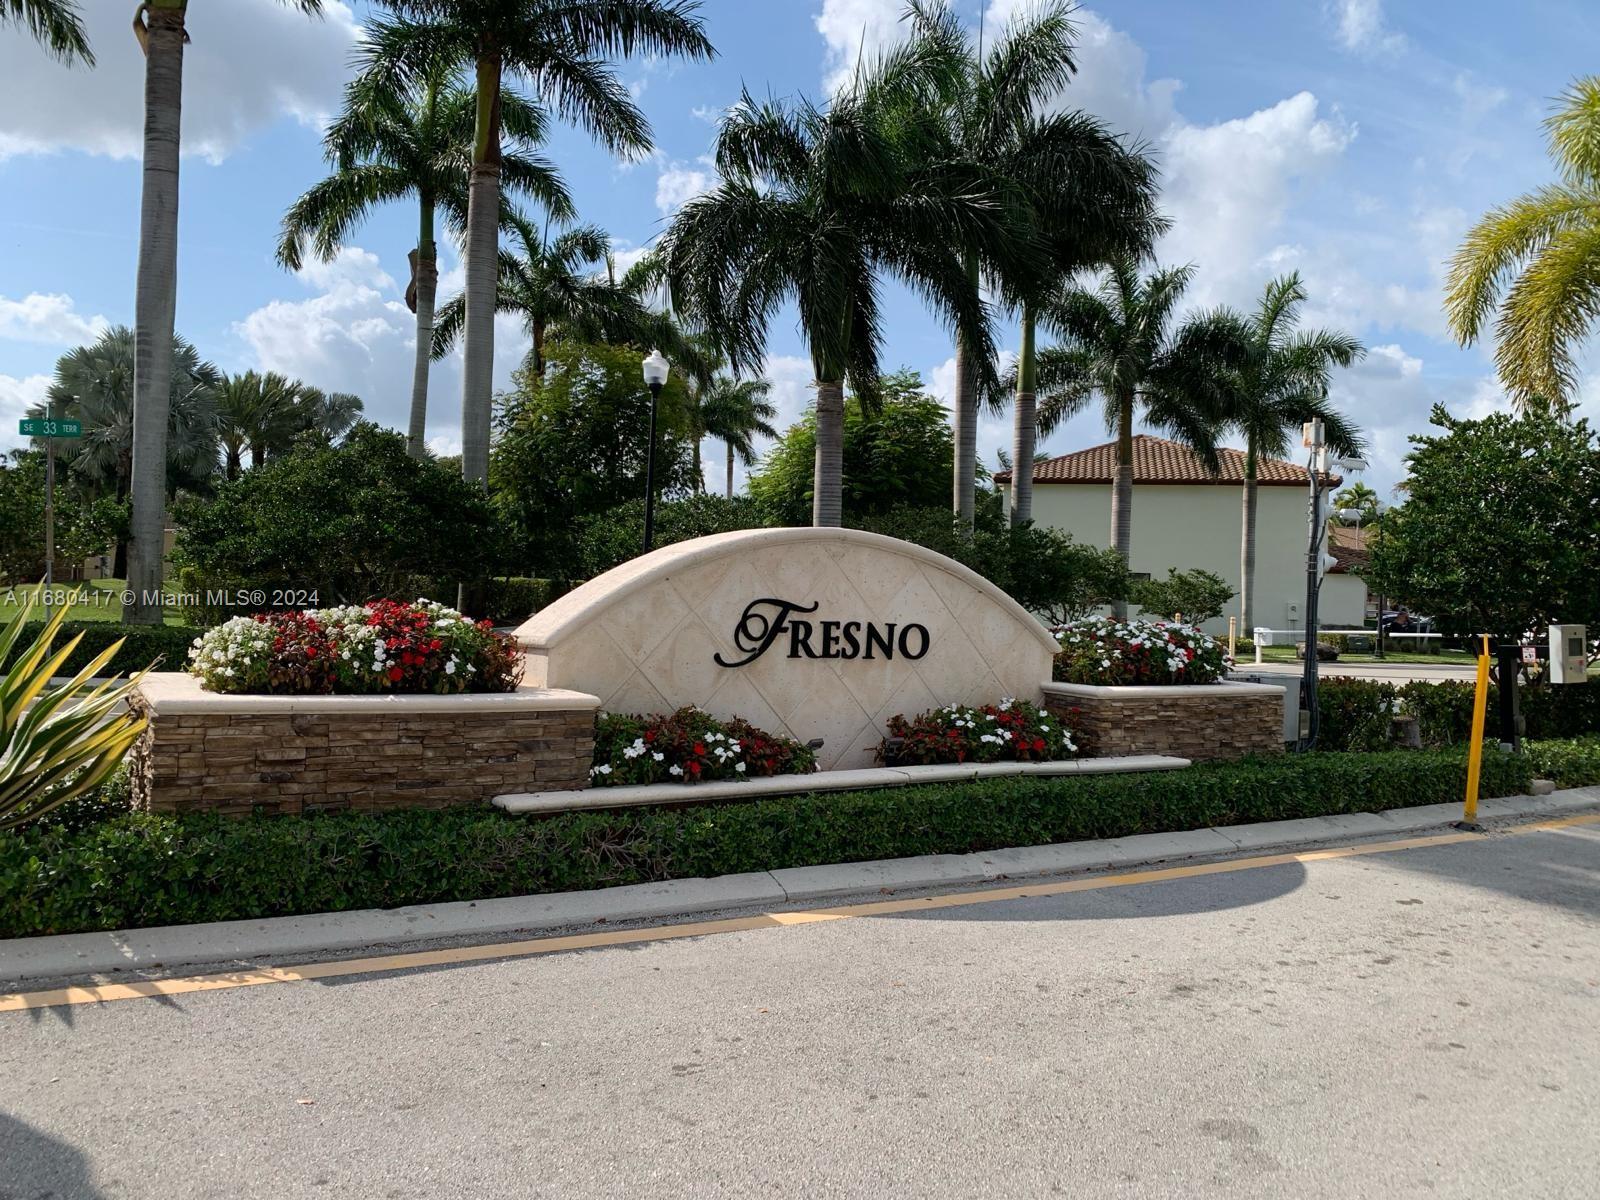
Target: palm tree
1277, 380
389, 145
1090, 197
735, 410
264, 414
814, 205
1537, 260
94, 384
159, 27
1116, 340
253, 412
55, 25
1361, 498
561, 286
559, 49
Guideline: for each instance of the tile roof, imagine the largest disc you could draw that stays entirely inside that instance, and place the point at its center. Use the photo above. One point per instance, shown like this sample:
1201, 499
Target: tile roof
1157, 460
1348, 545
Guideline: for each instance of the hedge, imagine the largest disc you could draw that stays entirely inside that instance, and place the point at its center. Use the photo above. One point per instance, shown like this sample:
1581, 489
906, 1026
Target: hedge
513, 599
1354, 713
1572, 763
88, 872
144, 645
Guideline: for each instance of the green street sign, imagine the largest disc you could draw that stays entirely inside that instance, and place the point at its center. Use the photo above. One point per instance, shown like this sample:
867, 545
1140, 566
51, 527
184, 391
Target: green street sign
49, 429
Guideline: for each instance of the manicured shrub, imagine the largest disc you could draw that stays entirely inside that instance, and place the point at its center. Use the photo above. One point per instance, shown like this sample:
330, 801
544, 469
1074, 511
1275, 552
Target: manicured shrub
690, 746
1571, 763
1011, 731
138, 869
1355, 712
384, 646
512, 600
165, 647
1103, 650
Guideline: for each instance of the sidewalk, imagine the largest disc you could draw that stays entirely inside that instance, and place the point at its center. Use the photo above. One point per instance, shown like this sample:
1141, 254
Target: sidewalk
237, 942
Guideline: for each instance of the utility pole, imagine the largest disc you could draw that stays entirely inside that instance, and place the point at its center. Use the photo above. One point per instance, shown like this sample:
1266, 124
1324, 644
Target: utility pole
49, 512
1312, 436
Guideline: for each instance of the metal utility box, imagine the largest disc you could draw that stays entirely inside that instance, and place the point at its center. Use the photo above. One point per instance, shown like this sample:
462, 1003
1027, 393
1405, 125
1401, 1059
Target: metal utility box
1569, 654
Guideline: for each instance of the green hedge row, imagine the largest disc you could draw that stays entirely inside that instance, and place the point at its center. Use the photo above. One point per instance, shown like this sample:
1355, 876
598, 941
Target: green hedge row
132, 869
144, 645
1355, 713
1571, 763
512, 600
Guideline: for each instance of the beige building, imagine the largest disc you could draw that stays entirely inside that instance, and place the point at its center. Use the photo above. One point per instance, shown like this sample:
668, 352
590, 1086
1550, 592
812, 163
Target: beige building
1185, 518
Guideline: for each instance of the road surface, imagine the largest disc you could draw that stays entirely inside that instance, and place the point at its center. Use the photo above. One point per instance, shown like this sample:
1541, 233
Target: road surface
1410, 1023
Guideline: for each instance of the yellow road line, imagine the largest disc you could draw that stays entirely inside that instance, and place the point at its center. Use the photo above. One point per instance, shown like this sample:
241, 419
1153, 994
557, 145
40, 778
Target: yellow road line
258, 976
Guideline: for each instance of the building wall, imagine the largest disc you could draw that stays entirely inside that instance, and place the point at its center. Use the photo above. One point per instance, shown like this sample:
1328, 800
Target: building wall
1184, 526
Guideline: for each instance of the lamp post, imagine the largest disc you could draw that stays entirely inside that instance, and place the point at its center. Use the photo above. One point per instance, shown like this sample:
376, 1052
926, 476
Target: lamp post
655, 378
1317, 469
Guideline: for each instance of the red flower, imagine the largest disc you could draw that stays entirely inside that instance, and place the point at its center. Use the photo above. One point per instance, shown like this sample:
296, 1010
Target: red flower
395, 674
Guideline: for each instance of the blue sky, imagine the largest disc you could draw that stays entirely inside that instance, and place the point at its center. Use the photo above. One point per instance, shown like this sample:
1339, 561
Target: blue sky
1352, 140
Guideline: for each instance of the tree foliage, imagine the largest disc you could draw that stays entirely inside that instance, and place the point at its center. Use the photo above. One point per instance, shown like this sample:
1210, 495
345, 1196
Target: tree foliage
353, 522
896, 455
1197, 595
1500, 531
611, 538
573, 442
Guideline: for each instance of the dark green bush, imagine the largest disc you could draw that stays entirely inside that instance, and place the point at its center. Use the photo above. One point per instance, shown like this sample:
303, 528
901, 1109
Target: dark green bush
137, 869
165, 645
513, 600
1354, 712
1572, 763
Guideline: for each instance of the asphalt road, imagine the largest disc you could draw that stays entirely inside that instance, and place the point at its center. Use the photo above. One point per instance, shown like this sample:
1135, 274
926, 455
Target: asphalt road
1416, 1023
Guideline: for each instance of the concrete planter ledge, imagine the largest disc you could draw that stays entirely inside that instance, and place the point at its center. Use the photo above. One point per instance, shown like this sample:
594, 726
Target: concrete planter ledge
822, 781
172, 693
1176, 691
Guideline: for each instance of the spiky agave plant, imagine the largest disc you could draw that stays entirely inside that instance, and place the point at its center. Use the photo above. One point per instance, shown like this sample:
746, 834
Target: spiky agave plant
57, 743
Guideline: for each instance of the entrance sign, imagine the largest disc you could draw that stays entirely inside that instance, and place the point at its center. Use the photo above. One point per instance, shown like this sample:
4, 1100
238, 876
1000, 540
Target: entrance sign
814, 633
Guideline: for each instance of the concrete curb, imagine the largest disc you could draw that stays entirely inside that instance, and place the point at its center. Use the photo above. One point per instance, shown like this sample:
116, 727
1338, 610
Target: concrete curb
230, 942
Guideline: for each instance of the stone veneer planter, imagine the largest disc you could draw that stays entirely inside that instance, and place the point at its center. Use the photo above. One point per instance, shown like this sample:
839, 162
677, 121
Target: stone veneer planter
203, 751
1201, 722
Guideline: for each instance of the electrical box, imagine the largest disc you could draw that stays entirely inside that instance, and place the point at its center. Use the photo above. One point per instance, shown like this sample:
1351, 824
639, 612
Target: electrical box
1569, 654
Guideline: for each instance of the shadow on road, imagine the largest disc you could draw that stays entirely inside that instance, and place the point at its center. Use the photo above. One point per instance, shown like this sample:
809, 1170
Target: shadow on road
1554, 866
36, 1164
1159, 898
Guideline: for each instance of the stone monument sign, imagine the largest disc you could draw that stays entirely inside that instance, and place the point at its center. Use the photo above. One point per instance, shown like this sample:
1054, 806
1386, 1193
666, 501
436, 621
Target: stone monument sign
815, 633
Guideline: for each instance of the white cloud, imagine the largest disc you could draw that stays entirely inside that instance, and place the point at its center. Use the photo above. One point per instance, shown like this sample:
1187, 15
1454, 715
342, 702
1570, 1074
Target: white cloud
1361, 28
854, 31
707, 113
678, 183
355, 334
248, 63
16, 395
50, 318
1229, 187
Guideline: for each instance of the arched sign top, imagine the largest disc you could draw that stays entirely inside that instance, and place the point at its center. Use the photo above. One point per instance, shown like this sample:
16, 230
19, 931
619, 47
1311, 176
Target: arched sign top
811, 632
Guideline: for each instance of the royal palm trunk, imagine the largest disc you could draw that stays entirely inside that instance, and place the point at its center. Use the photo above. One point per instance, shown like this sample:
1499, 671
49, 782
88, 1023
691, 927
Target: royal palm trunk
1247, 550
155, 298
1025, 426
730, 470
427, 290
1122, 493
828, 475
483, 243
964, 500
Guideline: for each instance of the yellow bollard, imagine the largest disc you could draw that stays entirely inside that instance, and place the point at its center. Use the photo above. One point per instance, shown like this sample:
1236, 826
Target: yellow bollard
1480, 704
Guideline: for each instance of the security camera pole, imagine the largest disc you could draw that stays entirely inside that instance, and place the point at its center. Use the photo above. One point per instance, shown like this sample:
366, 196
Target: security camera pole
1311, 436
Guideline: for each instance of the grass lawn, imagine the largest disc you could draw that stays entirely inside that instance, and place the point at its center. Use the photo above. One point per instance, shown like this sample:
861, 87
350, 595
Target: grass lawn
96, 600
1450, 658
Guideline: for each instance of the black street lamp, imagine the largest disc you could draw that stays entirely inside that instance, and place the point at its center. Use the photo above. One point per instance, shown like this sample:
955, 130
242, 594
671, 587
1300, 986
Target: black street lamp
655, 377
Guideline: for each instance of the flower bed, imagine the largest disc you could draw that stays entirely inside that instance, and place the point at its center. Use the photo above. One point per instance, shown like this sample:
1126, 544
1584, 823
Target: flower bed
1011, 731
690, 746
382, 646
1108, 653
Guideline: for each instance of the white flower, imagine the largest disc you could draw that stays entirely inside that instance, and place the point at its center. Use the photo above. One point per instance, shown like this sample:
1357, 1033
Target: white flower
739, 767
658, 756
674, 769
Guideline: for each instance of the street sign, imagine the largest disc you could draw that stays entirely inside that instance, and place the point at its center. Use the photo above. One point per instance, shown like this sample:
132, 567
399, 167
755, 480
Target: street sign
49, 429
